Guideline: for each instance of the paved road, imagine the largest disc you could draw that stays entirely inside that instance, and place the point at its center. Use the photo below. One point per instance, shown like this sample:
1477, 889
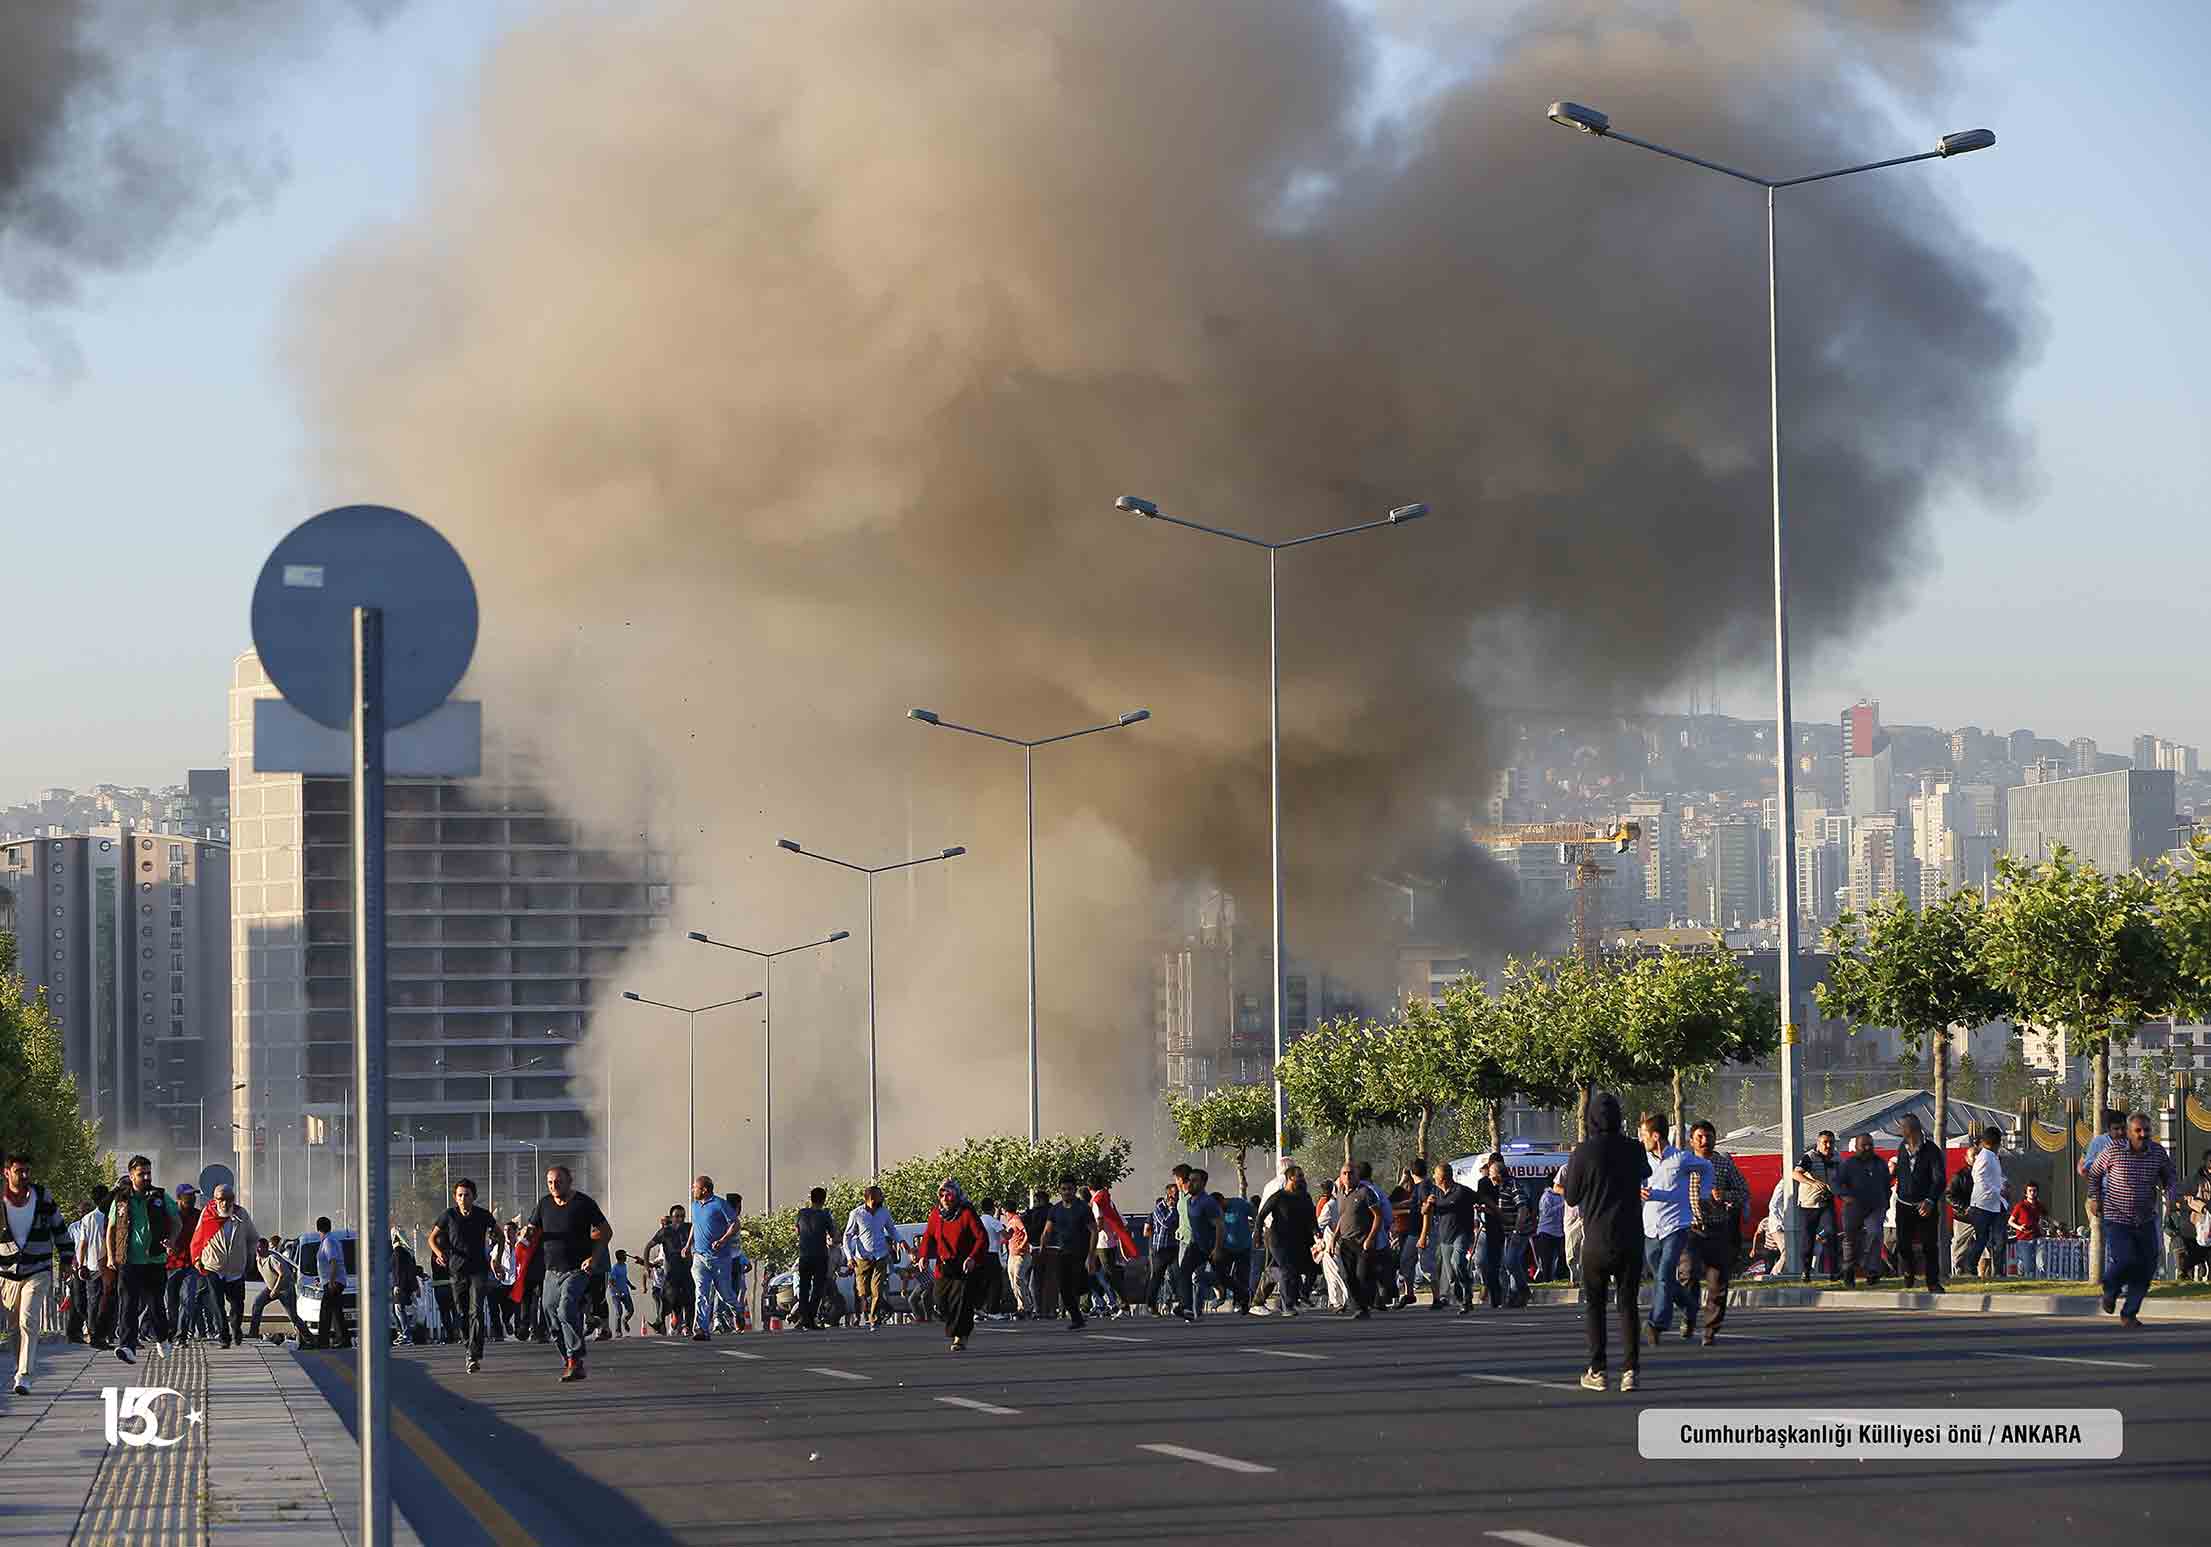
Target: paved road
1432, 1429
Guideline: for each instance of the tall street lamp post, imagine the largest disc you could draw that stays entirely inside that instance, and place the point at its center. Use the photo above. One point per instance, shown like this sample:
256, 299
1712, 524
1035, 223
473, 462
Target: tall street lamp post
767, 1046
691, 1099
1028, 780
1590, 121
1397, 517
872, 872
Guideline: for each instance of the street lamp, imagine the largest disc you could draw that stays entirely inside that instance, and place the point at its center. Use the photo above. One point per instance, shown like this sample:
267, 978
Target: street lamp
1592, 122
1397, 517
1028, 780
875, 1127
767, 1049
691, 1099
489, 1076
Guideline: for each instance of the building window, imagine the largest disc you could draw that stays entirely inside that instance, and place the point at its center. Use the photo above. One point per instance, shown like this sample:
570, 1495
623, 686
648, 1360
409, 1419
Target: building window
176, 983
176, 853
176, 918
176, 961
176, 1007
176, 1028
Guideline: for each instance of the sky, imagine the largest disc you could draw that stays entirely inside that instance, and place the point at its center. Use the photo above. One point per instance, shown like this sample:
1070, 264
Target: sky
141, 489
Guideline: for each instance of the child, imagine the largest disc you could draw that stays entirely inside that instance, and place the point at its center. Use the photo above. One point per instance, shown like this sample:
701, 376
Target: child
618, 1285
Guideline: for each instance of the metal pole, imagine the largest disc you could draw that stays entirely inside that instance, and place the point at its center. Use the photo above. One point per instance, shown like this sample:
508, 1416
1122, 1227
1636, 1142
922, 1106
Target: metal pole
1274, 849
1028, 779
767, 1086
373, 1423
875, 1131
610, 1128
202, 1104
491, 1182
1792, 1070
691, 1100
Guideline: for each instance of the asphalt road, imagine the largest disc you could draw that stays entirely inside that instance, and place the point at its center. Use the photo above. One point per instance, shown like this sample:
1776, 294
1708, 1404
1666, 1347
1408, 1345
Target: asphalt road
1428, 1427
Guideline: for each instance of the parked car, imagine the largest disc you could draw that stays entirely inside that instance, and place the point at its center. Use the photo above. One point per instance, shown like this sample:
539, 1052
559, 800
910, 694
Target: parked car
310, 1283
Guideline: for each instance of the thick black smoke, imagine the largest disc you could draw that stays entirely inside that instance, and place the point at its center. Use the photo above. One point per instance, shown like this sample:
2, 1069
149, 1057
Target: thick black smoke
785, 378
121, 127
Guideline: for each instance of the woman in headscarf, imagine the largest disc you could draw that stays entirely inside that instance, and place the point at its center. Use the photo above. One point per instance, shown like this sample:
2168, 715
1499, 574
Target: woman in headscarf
954, 1239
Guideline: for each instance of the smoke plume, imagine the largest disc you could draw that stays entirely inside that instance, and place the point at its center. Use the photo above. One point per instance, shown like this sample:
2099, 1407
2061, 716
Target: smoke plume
784, 378
123, 131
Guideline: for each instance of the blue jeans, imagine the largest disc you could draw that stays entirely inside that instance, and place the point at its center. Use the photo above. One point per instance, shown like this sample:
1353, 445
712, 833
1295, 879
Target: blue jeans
1660, 1257
2131, 1253
2026, 1257
712, 1276
1988, 1236
562, 1302
1455, 1270
1513, 1271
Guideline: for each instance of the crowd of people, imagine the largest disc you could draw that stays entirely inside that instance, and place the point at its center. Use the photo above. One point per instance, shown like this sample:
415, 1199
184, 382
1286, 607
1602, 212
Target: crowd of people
140, 1269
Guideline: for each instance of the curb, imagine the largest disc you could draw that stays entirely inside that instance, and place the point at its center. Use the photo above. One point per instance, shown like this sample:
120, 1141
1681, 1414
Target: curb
1954, 1302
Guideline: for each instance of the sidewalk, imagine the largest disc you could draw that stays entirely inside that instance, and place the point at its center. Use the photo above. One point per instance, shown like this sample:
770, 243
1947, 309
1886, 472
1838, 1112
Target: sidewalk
1955, 1301
260, 1457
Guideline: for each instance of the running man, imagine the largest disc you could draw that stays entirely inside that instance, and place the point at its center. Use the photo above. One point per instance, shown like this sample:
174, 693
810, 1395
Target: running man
32, 1235
141, 1219
1715, 1231
870, 1246
1676, 1177
1604, 1179
461, 1241
2128, 1188
1070, 1231
713, 1251
565, 1228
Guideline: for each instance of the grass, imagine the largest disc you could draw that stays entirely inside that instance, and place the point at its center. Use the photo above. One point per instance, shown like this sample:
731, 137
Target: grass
2164, 1289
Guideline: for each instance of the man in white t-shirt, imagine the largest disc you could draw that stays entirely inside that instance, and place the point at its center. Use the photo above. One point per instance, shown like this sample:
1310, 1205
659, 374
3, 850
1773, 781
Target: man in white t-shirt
1989, 1208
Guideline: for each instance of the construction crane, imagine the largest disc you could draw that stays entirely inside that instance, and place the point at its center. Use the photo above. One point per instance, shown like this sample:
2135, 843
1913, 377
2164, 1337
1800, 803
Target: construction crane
1578, 843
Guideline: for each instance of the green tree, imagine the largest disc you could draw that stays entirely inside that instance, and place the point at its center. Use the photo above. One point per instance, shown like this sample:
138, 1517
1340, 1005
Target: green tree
1334, 1081
1920, 972
1685, 1013
2081, 952
1969, 1078
1233, 1119
39, 1109
1563, 1031
2184, 918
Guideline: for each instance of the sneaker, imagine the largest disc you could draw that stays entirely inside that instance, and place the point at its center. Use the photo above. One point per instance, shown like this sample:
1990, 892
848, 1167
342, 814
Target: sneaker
474, 1365
166, 1350
1687, 1332
958, 1344
1627, 1380
571, 1369
1710, 1338
1657, 1334
1593, 1380
23, 1386
701, 1337
602, 1336
126, 1353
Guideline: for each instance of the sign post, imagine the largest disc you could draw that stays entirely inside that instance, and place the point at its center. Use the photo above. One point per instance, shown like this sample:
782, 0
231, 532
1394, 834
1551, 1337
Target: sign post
365, 619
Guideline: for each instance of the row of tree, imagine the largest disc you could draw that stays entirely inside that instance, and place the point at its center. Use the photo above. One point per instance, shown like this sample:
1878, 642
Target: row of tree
2058, 945
39, 1111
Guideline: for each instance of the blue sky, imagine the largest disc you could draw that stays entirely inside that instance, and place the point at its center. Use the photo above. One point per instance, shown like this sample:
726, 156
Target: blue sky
142, 495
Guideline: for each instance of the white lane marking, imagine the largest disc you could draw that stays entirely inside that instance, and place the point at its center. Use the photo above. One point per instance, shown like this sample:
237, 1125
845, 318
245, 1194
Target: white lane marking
1280, 1353
738, 1353
836, 1374
980, 1407
1531, 1539
2108, 1364
1750, 1337
1114, 1337
1205, 1458
1521, 1380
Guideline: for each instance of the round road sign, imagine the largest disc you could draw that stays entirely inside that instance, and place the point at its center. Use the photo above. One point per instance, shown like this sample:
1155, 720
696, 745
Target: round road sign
364, 556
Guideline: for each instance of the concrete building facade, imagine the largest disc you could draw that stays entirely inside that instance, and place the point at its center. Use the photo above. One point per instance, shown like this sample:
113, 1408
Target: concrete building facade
2114, 821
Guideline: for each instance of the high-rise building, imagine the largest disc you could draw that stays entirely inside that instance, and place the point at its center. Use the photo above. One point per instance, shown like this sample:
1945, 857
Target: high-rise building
2085, 754
1880, 861
127, 933
1734, 895
1658, 854
1867, 761
2024, 747
2157, 752
501, 919
2114, 821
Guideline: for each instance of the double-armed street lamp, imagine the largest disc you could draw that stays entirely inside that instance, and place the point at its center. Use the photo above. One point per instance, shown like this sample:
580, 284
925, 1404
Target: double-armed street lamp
872, 872
1590, 121
691, 1014
767, 1045
1397, 517
1028, 781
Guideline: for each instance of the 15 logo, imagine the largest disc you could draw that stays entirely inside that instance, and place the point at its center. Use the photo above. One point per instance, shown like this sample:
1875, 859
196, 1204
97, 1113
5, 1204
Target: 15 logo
132, 1420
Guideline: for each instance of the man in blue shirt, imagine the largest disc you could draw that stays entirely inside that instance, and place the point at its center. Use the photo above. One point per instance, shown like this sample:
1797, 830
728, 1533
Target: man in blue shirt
713, 1251
1200, 1233
1236, 1215
1676, 1175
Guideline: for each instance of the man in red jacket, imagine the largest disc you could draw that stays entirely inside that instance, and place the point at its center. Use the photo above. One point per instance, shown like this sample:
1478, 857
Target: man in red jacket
2026, 1233
956, 1242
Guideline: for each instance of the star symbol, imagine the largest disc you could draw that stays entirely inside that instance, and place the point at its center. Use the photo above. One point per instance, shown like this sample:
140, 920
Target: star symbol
195, 1416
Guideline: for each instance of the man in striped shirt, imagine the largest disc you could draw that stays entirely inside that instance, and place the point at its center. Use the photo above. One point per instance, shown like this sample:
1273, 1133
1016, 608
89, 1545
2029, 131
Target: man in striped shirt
2128, 1188
32, 1237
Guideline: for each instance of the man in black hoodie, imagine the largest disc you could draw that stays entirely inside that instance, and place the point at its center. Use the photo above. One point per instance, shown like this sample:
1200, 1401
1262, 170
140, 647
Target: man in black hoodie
1604, 1179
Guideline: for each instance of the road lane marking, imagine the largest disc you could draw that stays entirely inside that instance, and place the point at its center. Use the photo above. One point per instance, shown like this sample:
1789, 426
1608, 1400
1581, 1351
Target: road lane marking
1114, 1337
1749, 1337
490, 1515
1205, 1458
980, 1407
1531, 1539
836, 1374
1280, 1353
738, 1353
1521, 1380
2108, 1364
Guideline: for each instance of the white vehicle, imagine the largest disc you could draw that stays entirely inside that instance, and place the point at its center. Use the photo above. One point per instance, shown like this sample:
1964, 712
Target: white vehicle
899, 1289
1527, 1163
310, 1283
